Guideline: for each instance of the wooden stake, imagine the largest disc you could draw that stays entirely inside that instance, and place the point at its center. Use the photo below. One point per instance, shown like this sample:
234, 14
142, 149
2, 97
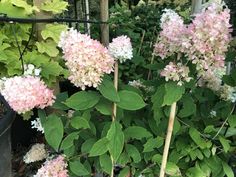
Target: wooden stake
168, 139
116, 76
104, 12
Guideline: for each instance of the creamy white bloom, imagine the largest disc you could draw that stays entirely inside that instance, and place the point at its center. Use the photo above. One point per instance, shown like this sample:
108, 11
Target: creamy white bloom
37, 125
36, 153
121, 48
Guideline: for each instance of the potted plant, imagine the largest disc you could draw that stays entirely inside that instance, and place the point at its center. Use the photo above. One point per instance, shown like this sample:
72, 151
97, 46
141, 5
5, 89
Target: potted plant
7, 116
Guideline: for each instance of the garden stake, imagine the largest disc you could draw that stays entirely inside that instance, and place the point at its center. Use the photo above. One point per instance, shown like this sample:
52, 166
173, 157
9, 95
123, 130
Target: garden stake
168, 139
114, 109
116, 73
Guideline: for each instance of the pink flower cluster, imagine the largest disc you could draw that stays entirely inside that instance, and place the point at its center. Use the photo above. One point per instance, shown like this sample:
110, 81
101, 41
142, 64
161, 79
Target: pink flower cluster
86, 59
23, 93
203, 42
176, 72
210, 36
53, 168
174, 35
121, 48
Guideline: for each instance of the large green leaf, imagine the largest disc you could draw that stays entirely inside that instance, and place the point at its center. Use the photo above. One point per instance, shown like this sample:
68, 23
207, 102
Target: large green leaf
173, 93
108, 90
130, 100
99, 148
49, 47
53, 31
195, 135
189, 107
225, 143
116, 140
69, 140
79, 122
106, 164
227, 169
136, 132
23, 4
51, 68
133, 152
104, 107
53, 129
54, 6
83, 100
172, 169
153, 143
78, 168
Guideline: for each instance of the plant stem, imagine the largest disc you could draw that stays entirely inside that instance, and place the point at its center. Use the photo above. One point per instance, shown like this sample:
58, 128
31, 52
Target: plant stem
168, 139
116, 76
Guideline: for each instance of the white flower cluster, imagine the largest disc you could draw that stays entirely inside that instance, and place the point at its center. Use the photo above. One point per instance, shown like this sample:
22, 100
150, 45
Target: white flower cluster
37, 125
31, 70
138, 84
121, 48
36, 153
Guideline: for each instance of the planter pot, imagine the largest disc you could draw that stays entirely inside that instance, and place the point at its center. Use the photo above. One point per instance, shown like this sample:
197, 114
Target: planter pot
6, 120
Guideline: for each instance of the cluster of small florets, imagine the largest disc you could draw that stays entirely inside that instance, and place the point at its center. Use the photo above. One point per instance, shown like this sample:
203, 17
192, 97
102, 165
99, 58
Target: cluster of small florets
86, 59
31, 70
176, 72
121, 49
139, 84
36, 124
174, 35
212, 79
23, 93
56, 167
210, 37
203, 42
36, 153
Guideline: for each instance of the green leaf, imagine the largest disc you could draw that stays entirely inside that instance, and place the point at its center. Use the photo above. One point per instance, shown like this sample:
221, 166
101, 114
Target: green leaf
116, 140
232, 121
83, 100
108, 90
79, 122
69, 140
172, 169
136, 132
53, 31
153, 143
54, 6
51, 68
23, 4
87, 145
195, 135
173, 93
195, 172
130, 100
104, 107
225, 143
78, 168
227, 169
99, 148
133, 153
60, 98
189, 107
124, 172
106, 164
49, 47
6, 7
53, 130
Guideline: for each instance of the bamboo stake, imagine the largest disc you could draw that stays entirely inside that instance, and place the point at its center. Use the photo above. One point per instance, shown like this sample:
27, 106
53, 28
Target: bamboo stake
116, 76
87, 15
104, 12
168, 139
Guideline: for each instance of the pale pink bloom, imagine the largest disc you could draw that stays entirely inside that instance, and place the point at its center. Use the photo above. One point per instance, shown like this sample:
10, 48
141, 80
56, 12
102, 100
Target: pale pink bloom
178, 73
53, 168
121, 49
87, 59
23, 93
